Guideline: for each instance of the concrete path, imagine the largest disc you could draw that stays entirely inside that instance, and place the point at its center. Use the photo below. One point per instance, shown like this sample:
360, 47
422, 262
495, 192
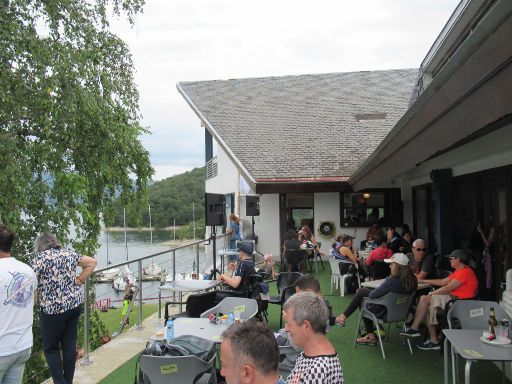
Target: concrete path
118, 351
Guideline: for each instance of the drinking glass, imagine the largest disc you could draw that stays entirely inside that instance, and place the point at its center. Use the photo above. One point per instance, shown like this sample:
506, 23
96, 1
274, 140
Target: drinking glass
501, 331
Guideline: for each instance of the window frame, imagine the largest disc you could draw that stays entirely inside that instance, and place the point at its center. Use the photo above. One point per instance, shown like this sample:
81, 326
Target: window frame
392, 197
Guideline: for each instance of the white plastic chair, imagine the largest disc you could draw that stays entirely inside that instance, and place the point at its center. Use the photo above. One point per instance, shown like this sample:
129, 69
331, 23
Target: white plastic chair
339, 279
247, 308
335, 273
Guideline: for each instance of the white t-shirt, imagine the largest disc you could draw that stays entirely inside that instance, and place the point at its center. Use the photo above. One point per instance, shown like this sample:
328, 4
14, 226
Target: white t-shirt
17, 285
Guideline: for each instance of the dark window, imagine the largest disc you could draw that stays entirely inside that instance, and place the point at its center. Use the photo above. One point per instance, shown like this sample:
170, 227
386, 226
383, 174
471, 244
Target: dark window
362, 209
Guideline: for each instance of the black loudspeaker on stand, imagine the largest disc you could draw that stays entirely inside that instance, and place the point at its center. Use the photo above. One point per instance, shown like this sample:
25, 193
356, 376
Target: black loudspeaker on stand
214, 209
252, 205
214, 216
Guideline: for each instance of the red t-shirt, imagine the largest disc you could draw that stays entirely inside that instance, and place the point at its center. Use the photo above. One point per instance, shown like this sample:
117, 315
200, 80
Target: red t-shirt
469, 285
379, 254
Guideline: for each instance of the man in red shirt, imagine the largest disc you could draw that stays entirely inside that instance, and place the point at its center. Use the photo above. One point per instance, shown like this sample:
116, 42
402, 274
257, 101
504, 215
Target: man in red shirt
381, 252
461, 284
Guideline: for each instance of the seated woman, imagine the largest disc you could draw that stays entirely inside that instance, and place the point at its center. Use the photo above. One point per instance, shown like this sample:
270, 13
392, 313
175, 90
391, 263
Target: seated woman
307, 238
345, 253
401, 280
381, 252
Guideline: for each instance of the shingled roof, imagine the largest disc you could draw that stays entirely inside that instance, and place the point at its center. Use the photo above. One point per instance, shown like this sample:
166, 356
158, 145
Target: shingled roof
319, 127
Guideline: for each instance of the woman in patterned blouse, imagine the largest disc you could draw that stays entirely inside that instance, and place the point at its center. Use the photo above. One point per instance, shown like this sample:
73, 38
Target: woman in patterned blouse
60, 296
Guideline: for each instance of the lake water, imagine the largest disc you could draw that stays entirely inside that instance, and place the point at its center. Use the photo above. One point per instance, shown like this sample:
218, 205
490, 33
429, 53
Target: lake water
112, 249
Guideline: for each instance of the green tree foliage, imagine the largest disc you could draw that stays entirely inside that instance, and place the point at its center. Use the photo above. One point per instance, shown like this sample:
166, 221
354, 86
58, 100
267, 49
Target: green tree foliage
69, 126
69, 119
187, 231
170, 199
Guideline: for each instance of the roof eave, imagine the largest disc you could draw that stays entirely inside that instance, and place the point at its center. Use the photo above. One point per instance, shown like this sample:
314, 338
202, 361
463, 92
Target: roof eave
217, 137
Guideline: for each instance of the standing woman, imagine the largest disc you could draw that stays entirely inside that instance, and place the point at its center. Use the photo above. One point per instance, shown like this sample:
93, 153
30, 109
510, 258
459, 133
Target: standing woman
61, 298
233, 230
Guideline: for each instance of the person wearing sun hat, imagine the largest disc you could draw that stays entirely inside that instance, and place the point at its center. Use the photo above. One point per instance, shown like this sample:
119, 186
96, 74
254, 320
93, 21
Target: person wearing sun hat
461, 284
401, 280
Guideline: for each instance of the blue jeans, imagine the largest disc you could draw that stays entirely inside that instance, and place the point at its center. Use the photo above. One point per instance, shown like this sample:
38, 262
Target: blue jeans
59, 335
12, 367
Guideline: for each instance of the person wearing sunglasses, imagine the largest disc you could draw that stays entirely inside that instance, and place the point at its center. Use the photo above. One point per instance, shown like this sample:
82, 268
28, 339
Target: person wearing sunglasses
461, 284
421, 263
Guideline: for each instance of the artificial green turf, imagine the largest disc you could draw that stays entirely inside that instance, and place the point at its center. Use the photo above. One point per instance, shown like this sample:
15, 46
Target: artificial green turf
112, 318
122, 375
364, 364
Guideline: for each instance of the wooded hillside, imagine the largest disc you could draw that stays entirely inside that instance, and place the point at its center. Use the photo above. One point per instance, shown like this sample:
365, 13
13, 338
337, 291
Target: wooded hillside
170, 199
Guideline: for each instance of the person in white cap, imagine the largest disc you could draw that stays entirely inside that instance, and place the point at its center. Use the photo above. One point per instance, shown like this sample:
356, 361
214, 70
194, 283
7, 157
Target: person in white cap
401, 280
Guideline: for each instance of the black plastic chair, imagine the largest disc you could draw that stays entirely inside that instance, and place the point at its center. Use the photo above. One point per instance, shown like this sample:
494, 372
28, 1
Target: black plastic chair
313, 256
195, 305
295, 258
379, 270
284, 279
286, 293
442, 274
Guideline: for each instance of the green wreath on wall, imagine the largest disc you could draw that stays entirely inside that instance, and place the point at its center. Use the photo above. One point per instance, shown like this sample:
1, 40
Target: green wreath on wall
326, 229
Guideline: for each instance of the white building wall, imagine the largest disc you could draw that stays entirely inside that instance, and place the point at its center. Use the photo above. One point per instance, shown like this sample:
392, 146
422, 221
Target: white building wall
227, 179
267, 226
326, 208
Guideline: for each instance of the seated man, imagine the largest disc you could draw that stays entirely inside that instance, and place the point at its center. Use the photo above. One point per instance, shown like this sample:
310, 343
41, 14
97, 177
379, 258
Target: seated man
461, 284
305, 283
421, 263
395, 241
380, 253
243, 360
309, 283
305, 315
244, 269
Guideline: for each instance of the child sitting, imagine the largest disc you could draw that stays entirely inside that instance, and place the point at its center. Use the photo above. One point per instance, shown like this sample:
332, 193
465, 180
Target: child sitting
268, 269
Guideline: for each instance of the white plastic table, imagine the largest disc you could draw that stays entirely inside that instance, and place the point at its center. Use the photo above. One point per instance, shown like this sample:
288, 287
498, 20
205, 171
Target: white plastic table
200, 327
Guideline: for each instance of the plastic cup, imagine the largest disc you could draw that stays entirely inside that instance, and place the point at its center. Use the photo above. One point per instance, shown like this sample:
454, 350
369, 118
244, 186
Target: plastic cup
501, 331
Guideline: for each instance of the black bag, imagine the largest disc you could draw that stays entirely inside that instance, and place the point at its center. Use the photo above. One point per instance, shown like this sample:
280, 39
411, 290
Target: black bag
351, 284
188, 345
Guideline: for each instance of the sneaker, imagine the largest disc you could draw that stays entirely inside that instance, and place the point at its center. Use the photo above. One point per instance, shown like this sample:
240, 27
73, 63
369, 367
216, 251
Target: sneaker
429, 345
409, 332
381, 332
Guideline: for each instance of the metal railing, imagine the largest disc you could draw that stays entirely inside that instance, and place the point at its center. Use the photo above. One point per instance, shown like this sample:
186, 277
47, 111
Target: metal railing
87, 305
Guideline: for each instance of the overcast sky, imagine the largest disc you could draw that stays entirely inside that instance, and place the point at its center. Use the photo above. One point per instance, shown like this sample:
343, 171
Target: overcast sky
188, 40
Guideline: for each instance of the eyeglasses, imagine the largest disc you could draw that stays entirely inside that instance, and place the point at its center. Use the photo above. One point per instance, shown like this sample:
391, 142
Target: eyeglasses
421, 249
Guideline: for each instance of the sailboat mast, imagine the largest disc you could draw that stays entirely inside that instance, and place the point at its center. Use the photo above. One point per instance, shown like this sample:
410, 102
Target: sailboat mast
150, 229
125, 238
194, 220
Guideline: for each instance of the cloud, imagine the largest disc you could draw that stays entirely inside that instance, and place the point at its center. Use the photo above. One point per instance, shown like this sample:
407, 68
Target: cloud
189, 40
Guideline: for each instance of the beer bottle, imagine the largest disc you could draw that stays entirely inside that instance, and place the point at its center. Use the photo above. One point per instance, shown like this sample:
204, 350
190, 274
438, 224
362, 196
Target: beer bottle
492, 321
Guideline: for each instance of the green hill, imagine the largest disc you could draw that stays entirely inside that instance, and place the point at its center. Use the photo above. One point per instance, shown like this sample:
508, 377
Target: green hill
171, 199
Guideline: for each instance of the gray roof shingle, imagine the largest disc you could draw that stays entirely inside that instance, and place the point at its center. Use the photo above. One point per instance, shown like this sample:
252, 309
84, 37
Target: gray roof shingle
303, 126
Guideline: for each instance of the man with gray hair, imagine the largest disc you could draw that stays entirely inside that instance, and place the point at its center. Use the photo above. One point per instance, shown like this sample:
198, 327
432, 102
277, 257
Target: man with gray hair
249, 355
306, 317
421, 263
